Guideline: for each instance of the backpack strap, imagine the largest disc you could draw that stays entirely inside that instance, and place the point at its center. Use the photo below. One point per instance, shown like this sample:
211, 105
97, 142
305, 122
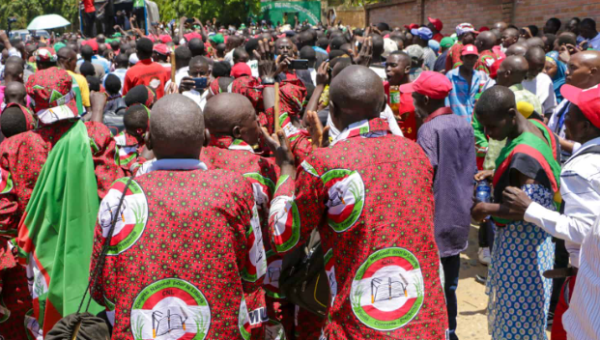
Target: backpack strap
101, 259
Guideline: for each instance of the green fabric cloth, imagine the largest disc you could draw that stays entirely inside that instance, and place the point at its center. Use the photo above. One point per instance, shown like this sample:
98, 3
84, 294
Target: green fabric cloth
541, 145
217, 38
494, 147
58, 46
138, 3
57, 230
446, 42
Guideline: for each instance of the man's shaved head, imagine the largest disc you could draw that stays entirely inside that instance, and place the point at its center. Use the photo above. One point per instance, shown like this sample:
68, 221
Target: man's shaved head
15, 93
535, 42
13, 71
536, 58
583, 69
509, 37
496, 111
500, 26
517, 49
512, 71
176, 128
567, 38
355, 94
231, 114
485, 41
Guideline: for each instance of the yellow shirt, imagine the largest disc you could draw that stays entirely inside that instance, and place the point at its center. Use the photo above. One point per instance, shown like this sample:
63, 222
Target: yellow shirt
83, 88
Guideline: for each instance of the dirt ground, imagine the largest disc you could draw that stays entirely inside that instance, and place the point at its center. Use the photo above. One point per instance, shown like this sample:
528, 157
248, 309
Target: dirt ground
472, 301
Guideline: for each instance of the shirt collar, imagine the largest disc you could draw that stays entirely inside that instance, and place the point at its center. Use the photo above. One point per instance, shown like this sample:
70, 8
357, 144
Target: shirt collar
228, 142
439, 112
375, 127
595, 141
171, 164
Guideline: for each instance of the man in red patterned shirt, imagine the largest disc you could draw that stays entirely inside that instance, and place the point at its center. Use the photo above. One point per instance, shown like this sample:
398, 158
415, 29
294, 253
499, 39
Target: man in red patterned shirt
233, 127
369, 194
187, 247
22, 158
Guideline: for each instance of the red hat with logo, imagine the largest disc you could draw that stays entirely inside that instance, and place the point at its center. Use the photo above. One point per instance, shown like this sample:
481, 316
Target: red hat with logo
431, 84
437, 23
469, 50
411, 26
587, 100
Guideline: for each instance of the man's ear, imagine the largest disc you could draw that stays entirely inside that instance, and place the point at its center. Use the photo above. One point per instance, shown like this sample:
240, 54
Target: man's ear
407, 69
236, 132
593, 70
148, 140
206, 137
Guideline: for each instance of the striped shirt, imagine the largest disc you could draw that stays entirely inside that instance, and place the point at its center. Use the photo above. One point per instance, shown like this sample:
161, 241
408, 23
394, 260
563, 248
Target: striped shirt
582, 319
462, 97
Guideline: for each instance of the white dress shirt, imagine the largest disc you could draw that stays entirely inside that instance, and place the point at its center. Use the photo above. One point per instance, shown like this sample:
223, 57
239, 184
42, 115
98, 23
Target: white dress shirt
387, 114
580, 190
179, 75
543, 87
582, 319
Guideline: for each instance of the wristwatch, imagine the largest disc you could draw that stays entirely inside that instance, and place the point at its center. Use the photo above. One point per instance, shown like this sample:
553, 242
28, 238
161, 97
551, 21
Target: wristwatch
268, 81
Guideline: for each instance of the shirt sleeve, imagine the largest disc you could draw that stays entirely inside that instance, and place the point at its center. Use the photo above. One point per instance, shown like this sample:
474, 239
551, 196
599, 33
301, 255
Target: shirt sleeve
297, 208
481, 141
127, 82
105, 289
427, 140
581, 206
550, 102
389, 116
103, 152
249, 246
85, 93
10, 213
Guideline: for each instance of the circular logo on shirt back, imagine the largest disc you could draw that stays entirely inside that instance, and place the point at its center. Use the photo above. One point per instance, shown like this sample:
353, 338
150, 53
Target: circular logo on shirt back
170, 309
131, 218
346, 198
388, 291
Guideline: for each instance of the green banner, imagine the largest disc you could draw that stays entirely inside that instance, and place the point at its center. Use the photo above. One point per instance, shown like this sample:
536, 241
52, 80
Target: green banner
284, 12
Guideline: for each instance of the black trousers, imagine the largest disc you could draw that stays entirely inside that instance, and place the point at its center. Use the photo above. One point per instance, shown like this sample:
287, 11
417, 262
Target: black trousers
89, 20
140, 19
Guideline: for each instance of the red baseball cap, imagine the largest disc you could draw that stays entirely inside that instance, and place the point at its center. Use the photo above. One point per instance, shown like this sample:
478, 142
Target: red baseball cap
411, 26
437, 23
161, 49
431, 84
92, 43
495, 67
587, 100
165, 38
240, 69
468, 50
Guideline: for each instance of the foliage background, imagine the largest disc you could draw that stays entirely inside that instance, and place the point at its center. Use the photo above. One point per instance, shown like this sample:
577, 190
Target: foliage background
226, 11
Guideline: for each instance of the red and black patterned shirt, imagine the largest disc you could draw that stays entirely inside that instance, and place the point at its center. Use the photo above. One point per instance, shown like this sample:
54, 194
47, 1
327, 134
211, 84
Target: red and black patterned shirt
22, 157
370, 195
185, 252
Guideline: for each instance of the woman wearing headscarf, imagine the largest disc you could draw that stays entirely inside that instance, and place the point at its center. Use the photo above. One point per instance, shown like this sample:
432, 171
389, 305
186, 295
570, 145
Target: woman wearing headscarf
556, 70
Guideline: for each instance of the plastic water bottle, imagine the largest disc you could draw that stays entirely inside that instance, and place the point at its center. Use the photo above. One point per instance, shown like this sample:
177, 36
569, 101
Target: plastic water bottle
483, 192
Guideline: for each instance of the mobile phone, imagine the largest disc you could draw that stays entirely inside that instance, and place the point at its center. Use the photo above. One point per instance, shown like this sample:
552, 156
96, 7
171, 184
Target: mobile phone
200, 83
298, 64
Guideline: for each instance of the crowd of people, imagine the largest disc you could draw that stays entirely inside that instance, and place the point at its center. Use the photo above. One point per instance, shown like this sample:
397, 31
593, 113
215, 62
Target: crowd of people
307, 182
